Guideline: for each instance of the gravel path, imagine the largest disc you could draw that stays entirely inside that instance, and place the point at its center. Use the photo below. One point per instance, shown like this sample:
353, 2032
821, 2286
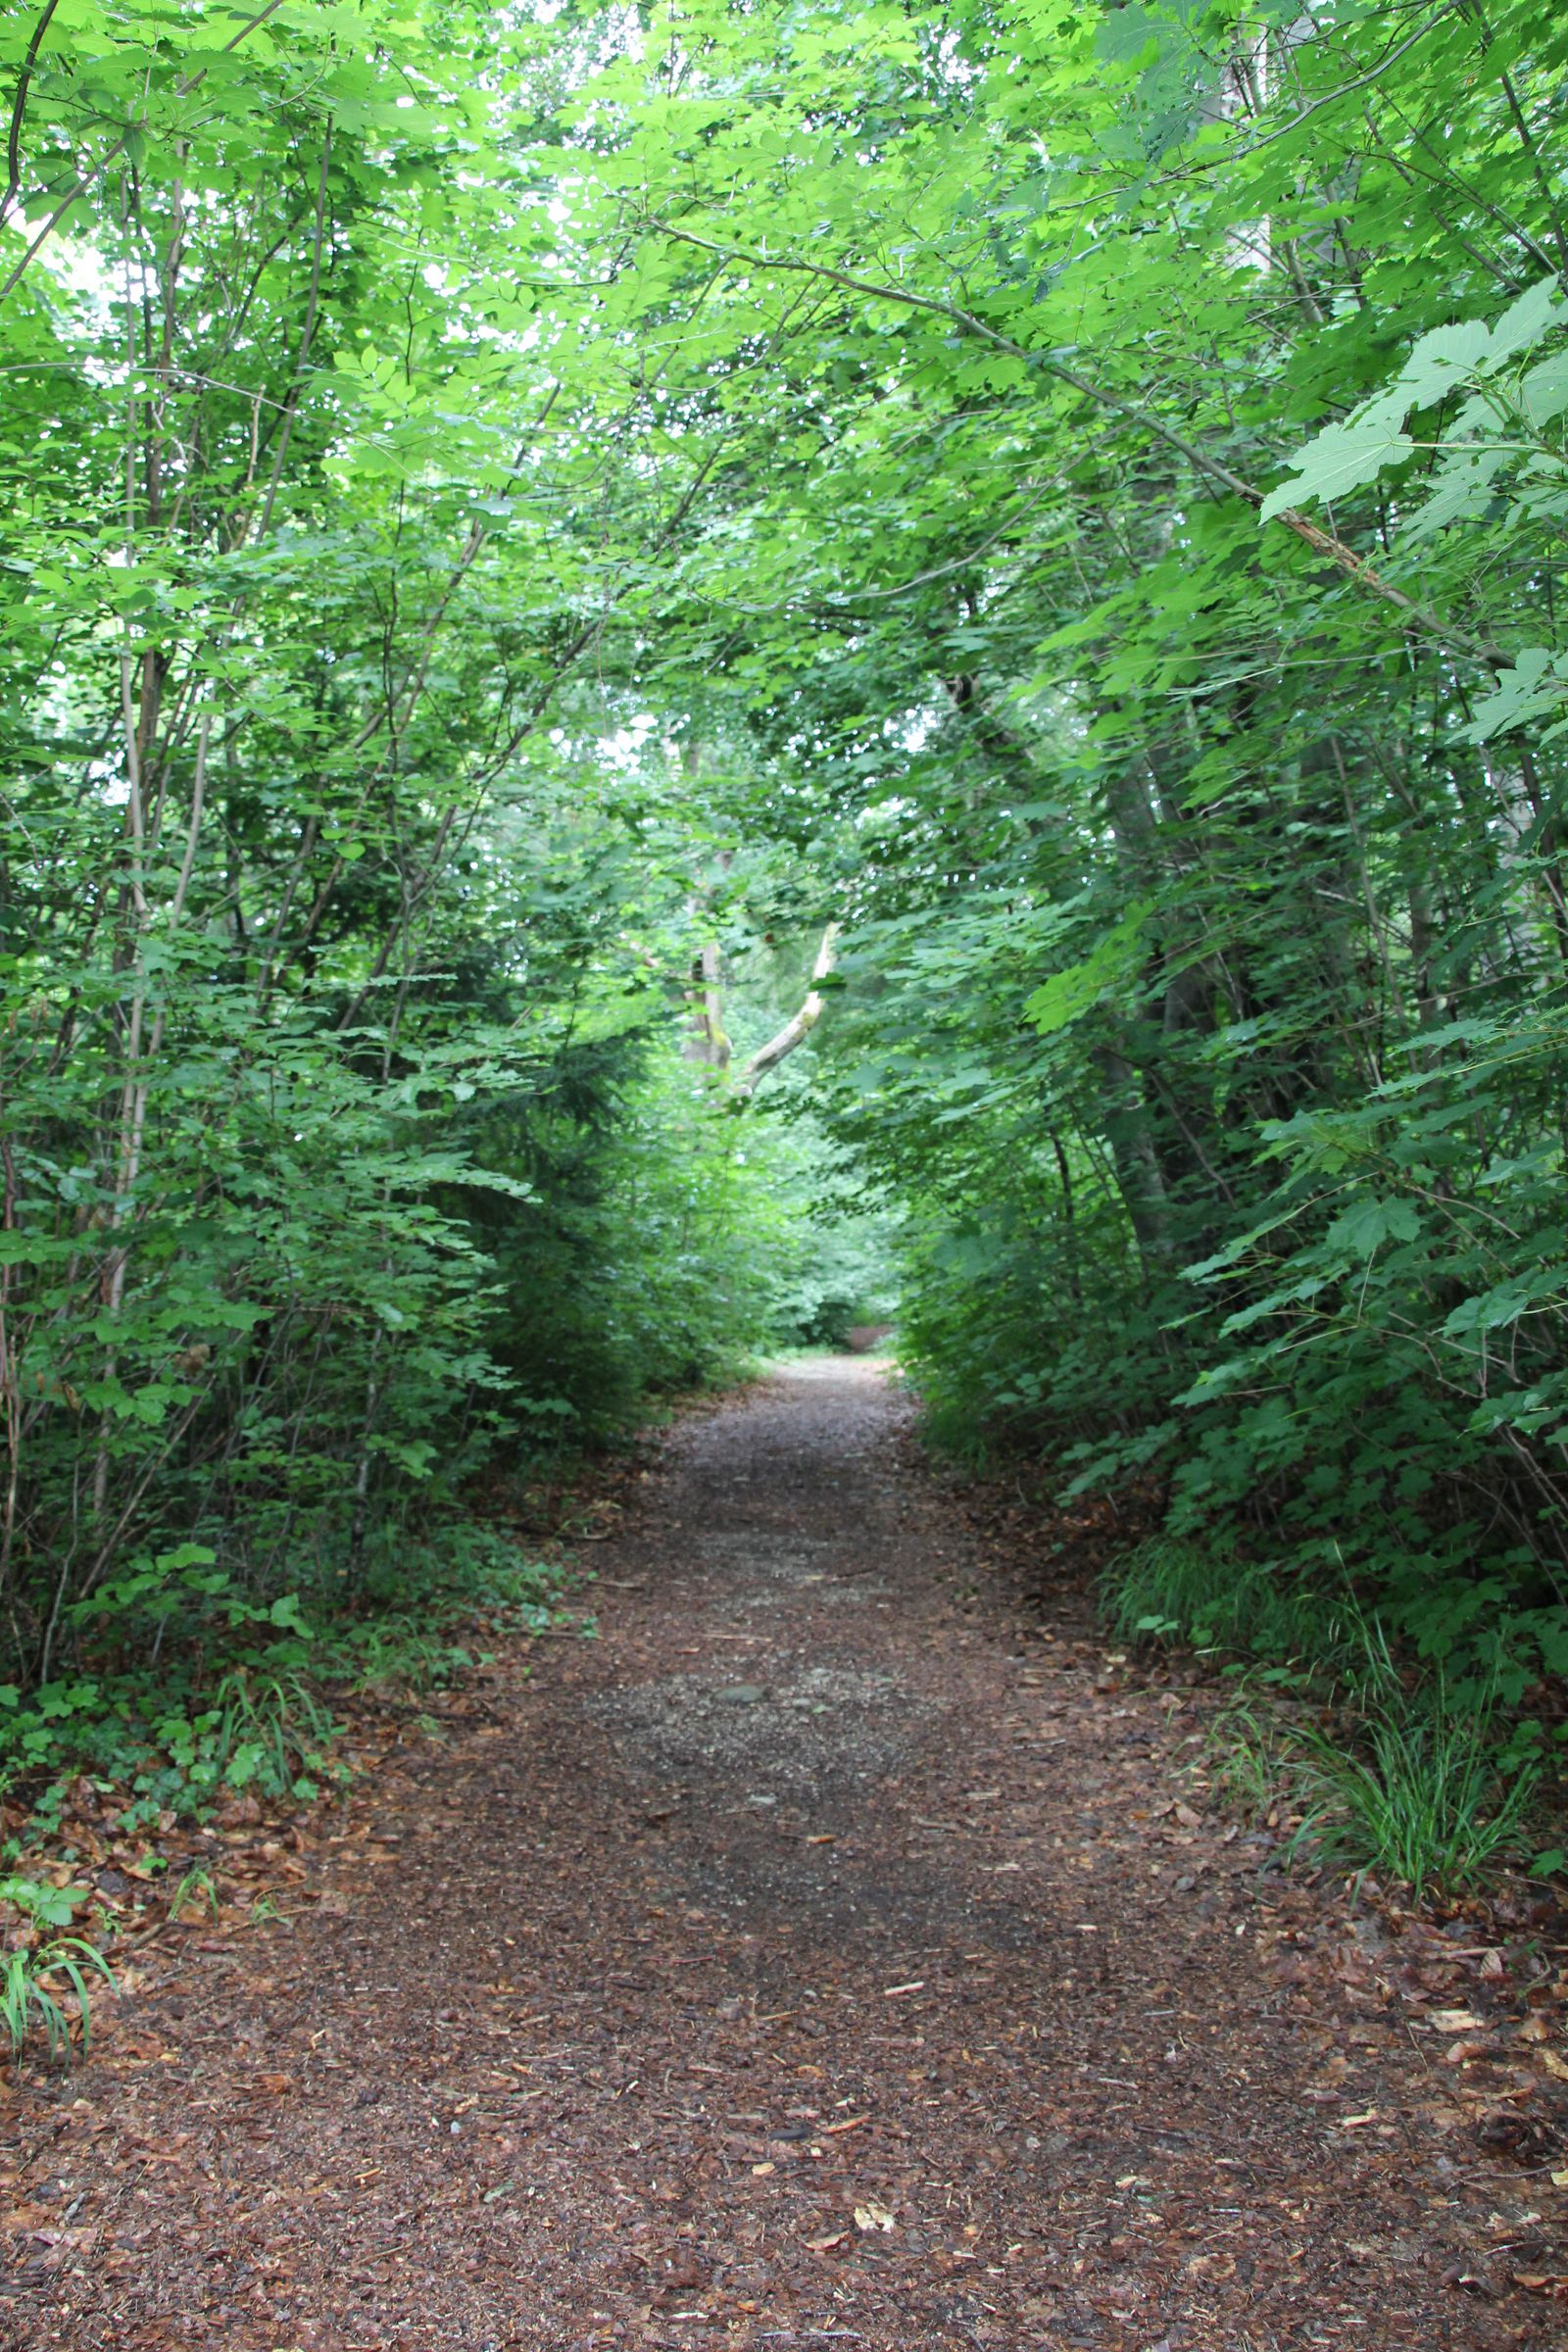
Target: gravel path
812, 1958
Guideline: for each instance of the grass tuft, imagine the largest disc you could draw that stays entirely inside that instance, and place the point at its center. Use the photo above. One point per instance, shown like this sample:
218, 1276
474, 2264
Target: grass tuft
1171, 1589
1400, 1782
28, 1994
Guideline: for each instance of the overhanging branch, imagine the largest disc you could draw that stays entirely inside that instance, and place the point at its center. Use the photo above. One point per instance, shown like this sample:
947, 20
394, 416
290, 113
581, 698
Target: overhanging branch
769, 1056
1324, 543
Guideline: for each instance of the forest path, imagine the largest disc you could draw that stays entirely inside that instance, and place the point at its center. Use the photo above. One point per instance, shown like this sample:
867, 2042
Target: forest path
810, 1959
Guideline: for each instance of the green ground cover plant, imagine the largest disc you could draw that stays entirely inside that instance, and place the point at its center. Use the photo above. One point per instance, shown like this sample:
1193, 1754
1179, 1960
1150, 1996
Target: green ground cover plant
1398, 1779
34, 1974
1171, 1589
207, 1718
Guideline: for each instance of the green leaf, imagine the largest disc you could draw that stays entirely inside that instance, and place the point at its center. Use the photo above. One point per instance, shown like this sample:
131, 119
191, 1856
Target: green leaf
1529, 320
1343, 456
1364, 1228
1071, 993
1535, 685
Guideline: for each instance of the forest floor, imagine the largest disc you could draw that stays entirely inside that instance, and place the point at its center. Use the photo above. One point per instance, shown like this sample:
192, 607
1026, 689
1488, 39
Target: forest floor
824, 1953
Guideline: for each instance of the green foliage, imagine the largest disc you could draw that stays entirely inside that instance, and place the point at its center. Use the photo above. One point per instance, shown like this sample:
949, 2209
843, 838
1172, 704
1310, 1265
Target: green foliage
1411, 1783
29, 1993
202, 1719
1415, 1798
43, 1905
1204, 1001
345, 1140
825, 1243
29, 1976
647, 1267
1172, 1588
195, 1891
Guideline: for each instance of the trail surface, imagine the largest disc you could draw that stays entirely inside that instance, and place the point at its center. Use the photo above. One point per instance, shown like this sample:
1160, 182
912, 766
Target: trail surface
812, 1958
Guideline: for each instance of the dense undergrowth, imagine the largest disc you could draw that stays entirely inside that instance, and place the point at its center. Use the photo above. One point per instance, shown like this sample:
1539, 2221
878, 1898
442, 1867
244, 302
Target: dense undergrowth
1433, 1781
243, 1701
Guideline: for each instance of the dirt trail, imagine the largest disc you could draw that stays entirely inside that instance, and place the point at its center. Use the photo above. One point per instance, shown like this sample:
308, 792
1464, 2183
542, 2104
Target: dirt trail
807, 1960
